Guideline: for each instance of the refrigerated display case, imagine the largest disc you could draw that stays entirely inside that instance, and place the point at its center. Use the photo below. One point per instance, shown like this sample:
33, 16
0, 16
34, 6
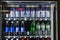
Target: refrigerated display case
29, 20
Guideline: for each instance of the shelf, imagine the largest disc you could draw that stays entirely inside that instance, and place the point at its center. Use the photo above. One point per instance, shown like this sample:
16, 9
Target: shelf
27, 18
25, 36
13, 6
4, 11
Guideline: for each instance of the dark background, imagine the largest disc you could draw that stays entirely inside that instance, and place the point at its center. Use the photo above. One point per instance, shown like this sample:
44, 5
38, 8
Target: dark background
58, 2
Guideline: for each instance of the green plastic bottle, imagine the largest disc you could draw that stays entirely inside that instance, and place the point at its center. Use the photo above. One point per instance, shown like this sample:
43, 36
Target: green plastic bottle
32, 27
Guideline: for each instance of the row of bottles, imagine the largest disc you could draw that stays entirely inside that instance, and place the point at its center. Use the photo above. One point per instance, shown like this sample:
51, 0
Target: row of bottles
27, 27
28, 38
43, 12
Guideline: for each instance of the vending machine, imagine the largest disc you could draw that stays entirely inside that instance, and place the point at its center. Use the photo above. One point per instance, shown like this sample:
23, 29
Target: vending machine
28, 20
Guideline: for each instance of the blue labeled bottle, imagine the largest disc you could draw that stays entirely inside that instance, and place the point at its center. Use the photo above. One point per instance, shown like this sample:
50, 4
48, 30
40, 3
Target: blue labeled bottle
22, 28
12, 28
6, 28
17, 29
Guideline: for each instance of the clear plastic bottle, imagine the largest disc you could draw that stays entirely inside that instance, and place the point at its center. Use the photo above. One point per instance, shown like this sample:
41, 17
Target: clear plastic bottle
22, 28
48, 28
38, 27
43, 28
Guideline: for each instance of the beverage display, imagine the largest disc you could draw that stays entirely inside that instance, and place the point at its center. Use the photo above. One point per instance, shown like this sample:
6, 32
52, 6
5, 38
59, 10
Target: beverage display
29, 21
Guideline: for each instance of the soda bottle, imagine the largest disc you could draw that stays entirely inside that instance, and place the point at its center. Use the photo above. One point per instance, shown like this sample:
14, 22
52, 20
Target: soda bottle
17, 28
12, 28
38, 28
43, 27
27, 27
22, 28
7, 28
47, 12
32, 27
48, 28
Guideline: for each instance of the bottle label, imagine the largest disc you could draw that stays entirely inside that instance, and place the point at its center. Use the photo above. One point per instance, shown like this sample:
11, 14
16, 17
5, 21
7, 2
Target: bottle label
17, 14
7, 15
47, 13
48, 27
7, 29
11, 29
43, 26
17, 29
22, 29
38, 27
37, 13
42, 13
12, 14
28, 13
32, 13
22, 13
